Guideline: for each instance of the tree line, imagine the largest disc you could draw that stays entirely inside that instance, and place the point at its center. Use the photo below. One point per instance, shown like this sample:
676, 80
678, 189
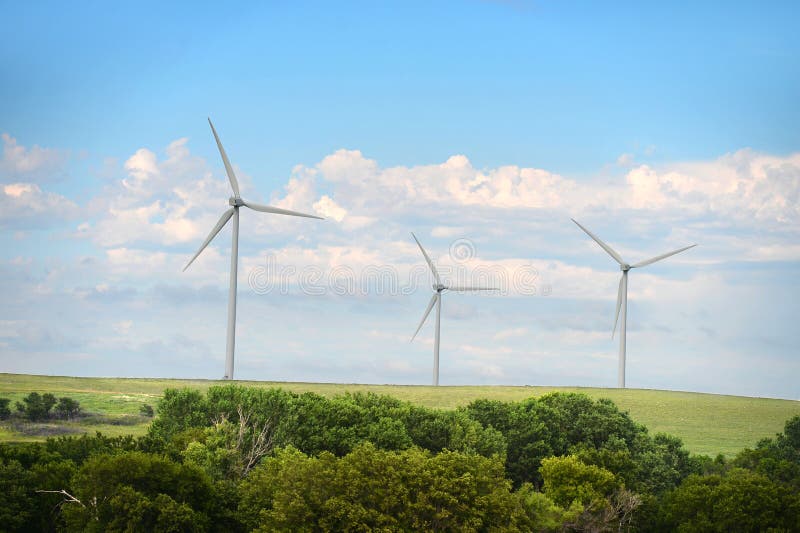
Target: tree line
36, 407
250, 459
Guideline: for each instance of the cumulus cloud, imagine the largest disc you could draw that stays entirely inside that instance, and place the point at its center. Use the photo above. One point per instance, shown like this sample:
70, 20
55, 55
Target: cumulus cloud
26, 206
366, 186
35, 164
744, 185
164, 201
145, 226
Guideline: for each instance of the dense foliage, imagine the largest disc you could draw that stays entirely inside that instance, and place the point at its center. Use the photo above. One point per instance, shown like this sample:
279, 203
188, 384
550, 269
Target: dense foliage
5, 411
36, 407
242, 459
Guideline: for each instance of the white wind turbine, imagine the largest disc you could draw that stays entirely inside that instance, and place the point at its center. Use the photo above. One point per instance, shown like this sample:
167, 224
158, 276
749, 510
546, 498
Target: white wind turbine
236, 202
622, 294
439, 288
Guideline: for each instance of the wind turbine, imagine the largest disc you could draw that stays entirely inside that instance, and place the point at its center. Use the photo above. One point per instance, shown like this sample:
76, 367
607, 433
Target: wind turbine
622, 294
436, 299
235, 202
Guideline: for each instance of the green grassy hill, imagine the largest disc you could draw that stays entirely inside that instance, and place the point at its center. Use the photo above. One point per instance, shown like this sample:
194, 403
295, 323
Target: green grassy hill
707, 423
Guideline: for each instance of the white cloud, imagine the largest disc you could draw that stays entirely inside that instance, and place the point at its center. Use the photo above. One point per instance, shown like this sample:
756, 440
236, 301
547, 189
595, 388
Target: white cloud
141, 167
30, 164
625, 160
328, 208
745, 185
447, 231
27, 206
170, 201
510, 333
742, 208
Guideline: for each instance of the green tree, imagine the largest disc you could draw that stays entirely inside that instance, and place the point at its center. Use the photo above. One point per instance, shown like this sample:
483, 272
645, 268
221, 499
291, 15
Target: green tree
527, 436
373, 489
79, 449
567, 479
67, 408
180, 409
778, 458
230, 450
134, 491
5, 411
17, 504
597, 431
36, 406
737, 501
791, 433
543, 514
146, 410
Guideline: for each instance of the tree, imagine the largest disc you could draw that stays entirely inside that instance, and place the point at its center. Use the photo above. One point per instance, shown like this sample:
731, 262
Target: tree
180, 409
791, 433
5, 412
67, 408
36, 406
372, 489
230, 450
778, 458
567, 479
134, 491
146, 410
543, 513
16, 505
740, 500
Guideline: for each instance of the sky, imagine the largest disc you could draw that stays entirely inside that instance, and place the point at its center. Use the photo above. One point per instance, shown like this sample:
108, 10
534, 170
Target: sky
483, 127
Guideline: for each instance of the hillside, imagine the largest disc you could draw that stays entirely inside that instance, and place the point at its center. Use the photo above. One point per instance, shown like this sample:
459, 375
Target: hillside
707, 423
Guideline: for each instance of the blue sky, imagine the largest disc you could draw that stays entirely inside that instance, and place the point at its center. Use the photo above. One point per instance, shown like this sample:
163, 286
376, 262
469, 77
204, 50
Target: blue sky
485, 124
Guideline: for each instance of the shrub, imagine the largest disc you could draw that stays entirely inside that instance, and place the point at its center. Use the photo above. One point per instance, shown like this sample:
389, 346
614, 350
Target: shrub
36, 406
5, 412
67, 408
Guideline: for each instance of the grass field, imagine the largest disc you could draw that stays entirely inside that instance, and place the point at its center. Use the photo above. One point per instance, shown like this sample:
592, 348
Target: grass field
707, 423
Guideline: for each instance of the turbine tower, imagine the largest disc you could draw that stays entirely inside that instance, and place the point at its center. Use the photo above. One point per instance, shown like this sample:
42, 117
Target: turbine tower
622, 294
235, 202
436, 299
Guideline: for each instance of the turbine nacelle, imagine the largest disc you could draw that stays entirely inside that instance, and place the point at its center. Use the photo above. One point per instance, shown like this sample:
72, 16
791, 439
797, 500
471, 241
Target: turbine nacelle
439, 287
235, 202
624, 267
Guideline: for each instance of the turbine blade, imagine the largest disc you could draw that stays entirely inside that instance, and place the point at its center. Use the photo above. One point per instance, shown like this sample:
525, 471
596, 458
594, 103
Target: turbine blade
603, 245
425, 316
278, 210
222, 221
226, 162
470, 289
619, 304
660, 257
428, 259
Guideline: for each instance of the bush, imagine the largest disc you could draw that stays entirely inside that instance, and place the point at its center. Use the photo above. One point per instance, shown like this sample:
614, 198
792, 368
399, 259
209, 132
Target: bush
134, 491
147, 410
371, 489
36, 406
737, 501
67, 408
567, 479
5, 412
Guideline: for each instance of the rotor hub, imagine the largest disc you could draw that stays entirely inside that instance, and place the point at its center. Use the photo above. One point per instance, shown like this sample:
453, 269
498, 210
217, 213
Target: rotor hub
439, 288
235, 202
625, 267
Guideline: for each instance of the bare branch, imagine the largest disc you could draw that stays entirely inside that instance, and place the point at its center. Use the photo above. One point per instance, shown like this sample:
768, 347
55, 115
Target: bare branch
68, 498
